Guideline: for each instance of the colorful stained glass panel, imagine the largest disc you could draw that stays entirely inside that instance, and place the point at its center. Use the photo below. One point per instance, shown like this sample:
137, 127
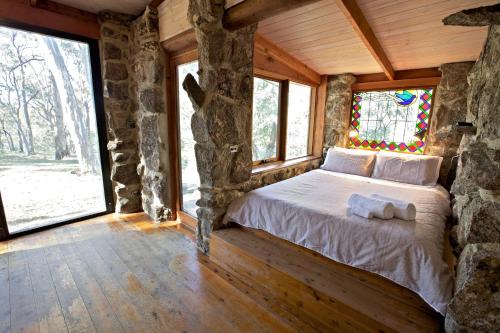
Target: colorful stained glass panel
394, 120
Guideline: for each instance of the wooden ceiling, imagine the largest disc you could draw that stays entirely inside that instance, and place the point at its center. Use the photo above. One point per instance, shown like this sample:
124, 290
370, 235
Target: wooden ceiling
410, 32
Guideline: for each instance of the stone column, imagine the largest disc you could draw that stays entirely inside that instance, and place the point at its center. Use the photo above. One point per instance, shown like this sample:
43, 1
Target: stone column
222, 122
120, 110
338, 110
475, 305
133, 63
450, 106
148, 88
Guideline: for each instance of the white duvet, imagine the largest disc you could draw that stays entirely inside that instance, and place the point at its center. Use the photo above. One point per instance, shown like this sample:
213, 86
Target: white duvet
311, 210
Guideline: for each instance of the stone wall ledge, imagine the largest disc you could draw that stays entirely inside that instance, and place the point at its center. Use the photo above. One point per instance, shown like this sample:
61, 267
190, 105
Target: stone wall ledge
270, 167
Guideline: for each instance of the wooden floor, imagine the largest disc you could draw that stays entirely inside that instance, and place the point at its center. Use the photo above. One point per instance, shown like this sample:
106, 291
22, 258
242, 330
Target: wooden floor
126, 274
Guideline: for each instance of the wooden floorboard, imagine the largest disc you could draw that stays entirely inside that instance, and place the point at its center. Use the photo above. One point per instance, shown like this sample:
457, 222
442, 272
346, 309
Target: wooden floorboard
48, 307
4, 294
124, 273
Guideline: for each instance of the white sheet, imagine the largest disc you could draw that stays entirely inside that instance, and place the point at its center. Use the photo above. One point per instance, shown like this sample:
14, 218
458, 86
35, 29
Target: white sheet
311, 210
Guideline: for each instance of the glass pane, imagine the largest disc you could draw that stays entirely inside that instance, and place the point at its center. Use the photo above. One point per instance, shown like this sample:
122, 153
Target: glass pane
266, 94
299, 111
189, 172
50, 169
391, 120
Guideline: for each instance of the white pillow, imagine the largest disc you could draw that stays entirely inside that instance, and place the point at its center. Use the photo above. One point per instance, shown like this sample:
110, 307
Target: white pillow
405, 168
355, 162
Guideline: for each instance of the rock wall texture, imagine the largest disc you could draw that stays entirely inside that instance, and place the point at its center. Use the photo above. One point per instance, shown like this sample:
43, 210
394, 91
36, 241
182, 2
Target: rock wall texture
476, 304
450, 106
222, 120
133, 65
338, 110
120, 110
148, 87
265, 178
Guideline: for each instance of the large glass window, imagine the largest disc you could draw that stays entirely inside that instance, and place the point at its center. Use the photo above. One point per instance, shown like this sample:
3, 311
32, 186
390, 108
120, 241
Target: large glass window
190, 180
50, 163
395, 120
298, 120
266, 100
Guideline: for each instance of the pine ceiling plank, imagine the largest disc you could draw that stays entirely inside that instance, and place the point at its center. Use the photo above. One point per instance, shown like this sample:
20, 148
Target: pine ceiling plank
361, 26
413, 35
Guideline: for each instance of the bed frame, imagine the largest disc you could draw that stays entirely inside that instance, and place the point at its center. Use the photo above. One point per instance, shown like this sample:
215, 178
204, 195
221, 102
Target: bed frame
314, 293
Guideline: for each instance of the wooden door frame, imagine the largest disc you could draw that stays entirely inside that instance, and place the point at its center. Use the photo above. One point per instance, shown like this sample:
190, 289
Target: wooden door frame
100, 123
174, 129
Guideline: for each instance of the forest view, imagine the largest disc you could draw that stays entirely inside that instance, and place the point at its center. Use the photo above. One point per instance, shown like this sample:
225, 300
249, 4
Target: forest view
49, 153
190, 178
266, 94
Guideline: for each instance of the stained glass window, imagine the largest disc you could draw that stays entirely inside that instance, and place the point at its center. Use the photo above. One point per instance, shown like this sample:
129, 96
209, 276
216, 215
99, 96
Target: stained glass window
395, 120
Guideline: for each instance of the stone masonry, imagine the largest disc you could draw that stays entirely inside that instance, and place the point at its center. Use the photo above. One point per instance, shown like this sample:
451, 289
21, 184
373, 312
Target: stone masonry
450, 106
120, 110
338, 110
133, 63
476, 303
148, 87
222, 120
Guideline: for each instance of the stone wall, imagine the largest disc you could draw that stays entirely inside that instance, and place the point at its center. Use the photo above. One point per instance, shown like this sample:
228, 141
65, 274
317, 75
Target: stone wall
272, 176
133, 63
450, 106
120, 110
476, 305
338, 110
222, 120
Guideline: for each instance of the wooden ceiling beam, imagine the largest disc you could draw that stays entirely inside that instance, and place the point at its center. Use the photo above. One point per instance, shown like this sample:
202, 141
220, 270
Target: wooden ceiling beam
400, 75
65, 10
51, 15
397, 84
358, 21
274, 53
253, 11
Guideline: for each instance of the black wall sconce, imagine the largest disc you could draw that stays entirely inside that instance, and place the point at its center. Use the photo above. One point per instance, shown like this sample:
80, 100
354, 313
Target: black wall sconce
464, 127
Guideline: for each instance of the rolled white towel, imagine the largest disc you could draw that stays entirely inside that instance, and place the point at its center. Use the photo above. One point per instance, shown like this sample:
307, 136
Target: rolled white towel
361, 211
370, 207
402, 210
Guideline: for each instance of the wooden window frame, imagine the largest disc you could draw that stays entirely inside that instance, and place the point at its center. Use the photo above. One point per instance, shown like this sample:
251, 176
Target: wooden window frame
318, 99
282, 130
174, 130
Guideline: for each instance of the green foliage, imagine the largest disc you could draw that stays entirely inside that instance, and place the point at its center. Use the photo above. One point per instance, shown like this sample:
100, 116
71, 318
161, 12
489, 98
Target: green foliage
265, 119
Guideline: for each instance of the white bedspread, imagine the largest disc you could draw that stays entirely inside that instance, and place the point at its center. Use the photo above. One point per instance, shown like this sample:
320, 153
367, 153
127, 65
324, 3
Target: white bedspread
311, 210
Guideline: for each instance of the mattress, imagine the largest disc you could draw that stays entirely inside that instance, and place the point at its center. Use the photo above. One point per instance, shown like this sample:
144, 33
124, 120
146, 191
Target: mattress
311, 210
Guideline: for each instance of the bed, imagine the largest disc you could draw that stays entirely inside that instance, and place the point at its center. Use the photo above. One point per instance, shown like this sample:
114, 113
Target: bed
310, 210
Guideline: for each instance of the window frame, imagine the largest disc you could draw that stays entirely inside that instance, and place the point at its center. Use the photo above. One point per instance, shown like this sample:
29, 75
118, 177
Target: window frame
101, 126
408, 87
279, 128
283, 121
175, 134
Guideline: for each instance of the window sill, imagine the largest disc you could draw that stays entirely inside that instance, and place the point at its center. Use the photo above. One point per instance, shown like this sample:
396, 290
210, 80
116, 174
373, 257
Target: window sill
282, 164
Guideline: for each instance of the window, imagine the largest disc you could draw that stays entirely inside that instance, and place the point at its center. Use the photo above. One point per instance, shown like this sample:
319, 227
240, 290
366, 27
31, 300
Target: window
298, 120
53, 163
190, 180
281, 120
395, 120
266, 97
